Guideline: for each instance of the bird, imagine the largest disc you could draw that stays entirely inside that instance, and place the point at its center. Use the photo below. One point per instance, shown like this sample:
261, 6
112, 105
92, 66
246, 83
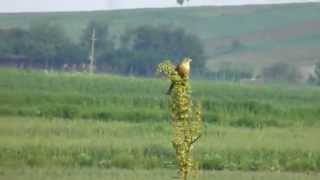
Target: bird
183, 70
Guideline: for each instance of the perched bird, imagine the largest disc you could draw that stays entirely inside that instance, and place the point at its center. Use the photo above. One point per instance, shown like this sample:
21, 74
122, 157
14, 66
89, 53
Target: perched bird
183, 69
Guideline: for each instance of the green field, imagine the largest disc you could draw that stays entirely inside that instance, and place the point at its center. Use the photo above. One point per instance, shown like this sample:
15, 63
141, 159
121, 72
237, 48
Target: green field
265, 33
57, 125
108, 97
33, 148
77, 126
33, 142
115, 174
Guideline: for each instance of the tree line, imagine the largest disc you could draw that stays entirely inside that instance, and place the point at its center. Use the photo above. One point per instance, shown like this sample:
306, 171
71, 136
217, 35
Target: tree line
136, 51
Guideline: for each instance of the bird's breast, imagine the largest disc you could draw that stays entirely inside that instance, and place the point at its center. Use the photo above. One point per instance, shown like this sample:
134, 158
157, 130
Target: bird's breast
183, 70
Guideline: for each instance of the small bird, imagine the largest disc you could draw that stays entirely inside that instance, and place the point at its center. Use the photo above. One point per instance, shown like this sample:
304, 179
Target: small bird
183, 69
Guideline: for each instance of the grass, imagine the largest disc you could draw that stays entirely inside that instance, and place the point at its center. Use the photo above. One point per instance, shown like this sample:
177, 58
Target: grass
106, 97
76, 126
39, 143
116, 174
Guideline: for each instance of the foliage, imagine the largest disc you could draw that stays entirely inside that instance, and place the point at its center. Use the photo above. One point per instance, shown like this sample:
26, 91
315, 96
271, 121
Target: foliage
158, 174
281, 72
49, 143
106, 98
43, 45
316, 79
213, 25
104, 44
185, 118
14, 41
46, 45
48, 39
102, 36
181, 1
226, 72
146, 46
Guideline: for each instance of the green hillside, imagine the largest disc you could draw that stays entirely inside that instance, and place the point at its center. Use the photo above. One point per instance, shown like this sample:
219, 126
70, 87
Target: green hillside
250, 36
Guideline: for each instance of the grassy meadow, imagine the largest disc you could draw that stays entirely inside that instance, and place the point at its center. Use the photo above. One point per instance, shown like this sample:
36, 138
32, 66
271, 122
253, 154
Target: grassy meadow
77, 126
109, 97
34, 142
116, 174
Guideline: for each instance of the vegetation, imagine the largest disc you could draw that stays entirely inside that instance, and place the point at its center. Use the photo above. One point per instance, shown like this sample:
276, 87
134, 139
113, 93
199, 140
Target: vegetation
315, 79
75, 126
105, 97
281, 72
45, 45
181, 1
265, 34
226, 72
147, 46
116, 174
185, 118
65, 122
44, 143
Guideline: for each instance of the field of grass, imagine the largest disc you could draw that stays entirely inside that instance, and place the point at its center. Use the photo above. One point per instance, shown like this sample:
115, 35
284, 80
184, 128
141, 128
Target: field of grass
38, 143
116, 174
77, 126
267, 33
108, 97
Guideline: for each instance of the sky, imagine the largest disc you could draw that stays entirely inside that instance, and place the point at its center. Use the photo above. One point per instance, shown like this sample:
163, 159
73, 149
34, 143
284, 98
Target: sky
87, 5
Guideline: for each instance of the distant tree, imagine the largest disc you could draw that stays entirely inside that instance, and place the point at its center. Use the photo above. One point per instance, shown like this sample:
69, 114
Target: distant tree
148, 46
236, 45
104, 44
281, 72
70, 53
14, 47
44, 45
47, 40
181, 1
315, 78
14, 41
228, 72
103, 40
317, 70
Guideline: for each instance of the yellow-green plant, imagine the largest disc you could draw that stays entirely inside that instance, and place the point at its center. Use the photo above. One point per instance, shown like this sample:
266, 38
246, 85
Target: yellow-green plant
186, 120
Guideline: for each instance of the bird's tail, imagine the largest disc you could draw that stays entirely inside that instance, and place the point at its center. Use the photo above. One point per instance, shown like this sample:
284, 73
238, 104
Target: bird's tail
170, 89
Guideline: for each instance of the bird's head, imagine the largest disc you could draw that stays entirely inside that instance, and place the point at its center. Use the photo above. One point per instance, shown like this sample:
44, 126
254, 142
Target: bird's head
186, 60
186, 64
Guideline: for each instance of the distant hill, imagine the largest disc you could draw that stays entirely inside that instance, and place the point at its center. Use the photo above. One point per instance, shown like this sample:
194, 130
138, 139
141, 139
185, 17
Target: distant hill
242, 36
